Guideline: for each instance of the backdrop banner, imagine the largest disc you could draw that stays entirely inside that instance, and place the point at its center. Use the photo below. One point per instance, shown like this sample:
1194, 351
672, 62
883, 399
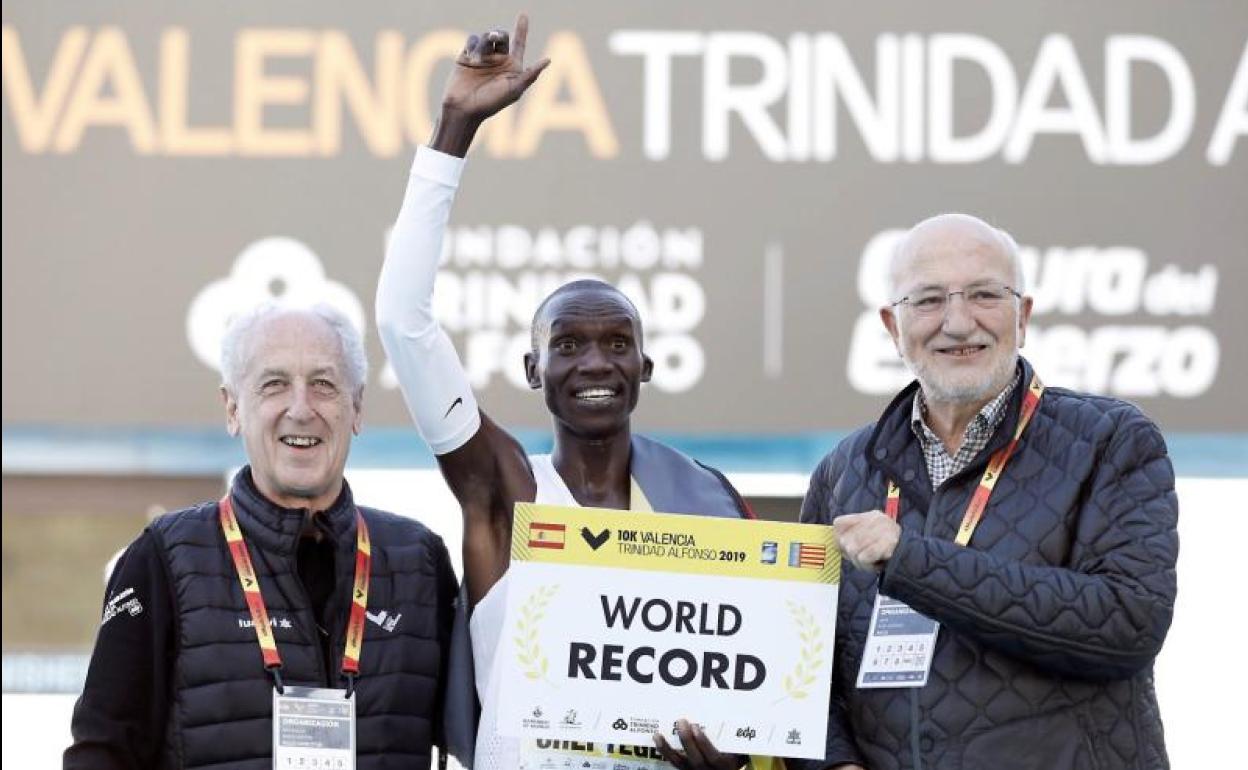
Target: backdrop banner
742, 178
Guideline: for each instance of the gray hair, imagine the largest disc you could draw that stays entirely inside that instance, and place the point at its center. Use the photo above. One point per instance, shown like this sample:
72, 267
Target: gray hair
235, 344
997, 235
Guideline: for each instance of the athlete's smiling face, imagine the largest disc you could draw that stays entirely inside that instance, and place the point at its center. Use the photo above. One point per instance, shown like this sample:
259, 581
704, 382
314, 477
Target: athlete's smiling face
965, 352
587, 359
296, 409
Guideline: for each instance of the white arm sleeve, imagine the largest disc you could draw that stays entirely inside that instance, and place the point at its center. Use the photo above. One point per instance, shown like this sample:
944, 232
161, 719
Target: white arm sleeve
430, 374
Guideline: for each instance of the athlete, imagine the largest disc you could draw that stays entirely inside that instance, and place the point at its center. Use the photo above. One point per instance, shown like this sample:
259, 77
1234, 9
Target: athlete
587, 358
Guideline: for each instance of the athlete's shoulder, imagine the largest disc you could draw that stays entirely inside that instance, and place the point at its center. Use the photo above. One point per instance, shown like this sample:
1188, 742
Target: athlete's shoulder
674, 482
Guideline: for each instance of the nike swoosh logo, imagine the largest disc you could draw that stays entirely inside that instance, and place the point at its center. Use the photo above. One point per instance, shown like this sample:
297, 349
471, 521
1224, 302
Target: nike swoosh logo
454, 404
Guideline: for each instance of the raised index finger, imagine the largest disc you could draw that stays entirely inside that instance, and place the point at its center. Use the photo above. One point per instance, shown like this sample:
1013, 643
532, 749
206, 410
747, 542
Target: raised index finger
519, 37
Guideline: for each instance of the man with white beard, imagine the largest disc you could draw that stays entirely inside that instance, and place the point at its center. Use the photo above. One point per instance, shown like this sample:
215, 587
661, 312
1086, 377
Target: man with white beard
1010, 548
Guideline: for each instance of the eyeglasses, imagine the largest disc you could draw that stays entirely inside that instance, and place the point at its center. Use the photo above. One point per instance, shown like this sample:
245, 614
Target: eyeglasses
984, 296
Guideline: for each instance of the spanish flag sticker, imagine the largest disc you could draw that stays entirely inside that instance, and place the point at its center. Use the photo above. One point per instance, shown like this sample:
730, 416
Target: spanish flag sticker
543, 535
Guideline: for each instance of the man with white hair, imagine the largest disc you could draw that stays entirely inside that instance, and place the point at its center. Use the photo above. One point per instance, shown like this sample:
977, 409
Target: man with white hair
284, 601
1010, 548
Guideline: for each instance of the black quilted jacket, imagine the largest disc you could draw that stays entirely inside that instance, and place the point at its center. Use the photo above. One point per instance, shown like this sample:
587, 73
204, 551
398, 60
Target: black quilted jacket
1050, 618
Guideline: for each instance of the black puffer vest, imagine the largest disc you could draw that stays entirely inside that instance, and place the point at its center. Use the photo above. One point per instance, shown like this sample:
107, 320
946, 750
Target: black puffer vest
222, 696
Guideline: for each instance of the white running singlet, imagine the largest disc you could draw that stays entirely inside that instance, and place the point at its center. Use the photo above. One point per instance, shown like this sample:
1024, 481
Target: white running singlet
493, 751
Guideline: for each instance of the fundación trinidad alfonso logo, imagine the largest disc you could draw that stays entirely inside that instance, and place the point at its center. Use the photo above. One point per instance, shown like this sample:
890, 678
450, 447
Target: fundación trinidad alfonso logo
270, 269
545, 535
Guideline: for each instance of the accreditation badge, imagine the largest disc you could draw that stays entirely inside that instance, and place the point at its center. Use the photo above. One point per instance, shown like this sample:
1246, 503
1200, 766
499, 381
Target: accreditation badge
313, 728
900, 645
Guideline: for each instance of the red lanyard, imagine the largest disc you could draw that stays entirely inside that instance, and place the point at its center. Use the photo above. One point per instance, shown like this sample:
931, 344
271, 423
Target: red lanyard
255, 602
979, 500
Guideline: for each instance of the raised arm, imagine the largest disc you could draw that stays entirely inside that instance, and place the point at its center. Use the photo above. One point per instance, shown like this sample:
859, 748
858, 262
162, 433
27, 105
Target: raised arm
484, 466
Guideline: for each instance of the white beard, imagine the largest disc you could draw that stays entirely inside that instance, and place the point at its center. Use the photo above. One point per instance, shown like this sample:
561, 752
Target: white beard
969, 387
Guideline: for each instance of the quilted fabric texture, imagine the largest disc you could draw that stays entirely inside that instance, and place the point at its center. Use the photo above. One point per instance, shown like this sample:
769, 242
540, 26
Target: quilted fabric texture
1050, 618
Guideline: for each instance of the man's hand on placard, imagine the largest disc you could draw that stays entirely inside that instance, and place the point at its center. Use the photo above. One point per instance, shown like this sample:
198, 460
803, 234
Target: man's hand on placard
489, 73
867, 539
699, 753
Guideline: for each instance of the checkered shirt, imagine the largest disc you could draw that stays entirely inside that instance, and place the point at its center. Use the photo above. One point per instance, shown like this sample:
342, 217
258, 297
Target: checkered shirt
940, 464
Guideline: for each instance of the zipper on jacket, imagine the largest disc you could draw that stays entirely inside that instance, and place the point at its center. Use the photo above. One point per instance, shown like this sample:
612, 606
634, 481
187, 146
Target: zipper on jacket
306, 603
916, 750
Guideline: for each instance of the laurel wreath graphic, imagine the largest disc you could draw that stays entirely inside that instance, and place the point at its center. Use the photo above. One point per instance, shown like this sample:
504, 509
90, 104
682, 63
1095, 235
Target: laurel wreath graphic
797, 683
528, 651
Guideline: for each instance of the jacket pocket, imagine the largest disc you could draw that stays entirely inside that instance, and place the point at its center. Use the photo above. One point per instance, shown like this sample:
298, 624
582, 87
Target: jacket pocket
1053, 741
